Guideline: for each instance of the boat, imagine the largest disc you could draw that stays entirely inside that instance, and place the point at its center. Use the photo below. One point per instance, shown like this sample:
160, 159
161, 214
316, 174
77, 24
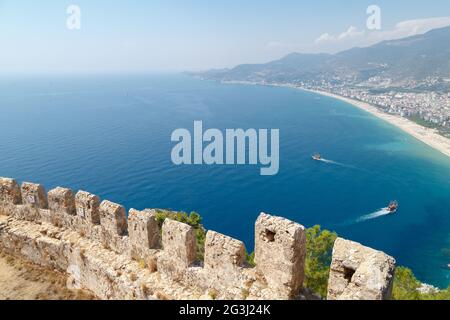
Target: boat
317, 157
393, 207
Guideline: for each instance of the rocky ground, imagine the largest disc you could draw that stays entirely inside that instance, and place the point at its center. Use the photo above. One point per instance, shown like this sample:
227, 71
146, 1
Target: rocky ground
20, 280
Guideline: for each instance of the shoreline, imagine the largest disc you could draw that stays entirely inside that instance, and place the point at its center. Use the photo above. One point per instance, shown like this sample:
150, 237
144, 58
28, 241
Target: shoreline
425, 135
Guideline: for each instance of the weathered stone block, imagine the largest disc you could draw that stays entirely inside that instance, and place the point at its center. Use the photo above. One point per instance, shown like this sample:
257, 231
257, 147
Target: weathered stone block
25, 212
359, 273
179, 243
61, 200
223, 254
224, 265
280, 252
143, 231
88, 206
34, 195
113, 218
9, 191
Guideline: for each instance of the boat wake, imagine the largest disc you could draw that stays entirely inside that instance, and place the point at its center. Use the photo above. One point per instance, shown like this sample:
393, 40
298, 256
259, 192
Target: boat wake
318, 157
334, 162
375, 215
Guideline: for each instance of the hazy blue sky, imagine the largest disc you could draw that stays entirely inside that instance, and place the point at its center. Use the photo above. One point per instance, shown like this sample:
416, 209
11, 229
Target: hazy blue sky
159, 35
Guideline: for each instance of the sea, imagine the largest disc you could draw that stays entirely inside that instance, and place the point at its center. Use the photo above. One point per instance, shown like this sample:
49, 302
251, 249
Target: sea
110, 135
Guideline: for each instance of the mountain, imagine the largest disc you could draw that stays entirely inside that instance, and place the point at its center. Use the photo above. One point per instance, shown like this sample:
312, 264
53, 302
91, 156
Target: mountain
419, 61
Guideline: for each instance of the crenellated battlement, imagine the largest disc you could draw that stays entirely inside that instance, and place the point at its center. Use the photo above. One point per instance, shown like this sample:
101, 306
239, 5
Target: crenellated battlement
129, 256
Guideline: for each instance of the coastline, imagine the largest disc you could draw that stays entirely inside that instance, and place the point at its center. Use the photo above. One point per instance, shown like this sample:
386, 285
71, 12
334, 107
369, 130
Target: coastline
426, 135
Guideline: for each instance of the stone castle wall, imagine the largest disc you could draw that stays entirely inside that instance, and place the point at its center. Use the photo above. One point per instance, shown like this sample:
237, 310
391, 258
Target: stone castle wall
120, 256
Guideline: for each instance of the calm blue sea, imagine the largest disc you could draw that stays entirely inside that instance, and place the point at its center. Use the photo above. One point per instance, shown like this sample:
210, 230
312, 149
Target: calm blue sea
110, 135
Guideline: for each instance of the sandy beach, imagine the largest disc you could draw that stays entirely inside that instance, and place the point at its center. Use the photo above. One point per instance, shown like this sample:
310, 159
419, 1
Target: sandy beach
428, 136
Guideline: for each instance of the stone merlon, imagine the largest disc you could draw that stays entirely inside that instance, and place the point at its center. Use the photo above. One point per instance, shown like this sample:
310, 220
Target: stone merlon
280, 252
88, 206
9, 191
34, 195
144, 232
359, 273
223, 254
178, 240
113, 218
61, 200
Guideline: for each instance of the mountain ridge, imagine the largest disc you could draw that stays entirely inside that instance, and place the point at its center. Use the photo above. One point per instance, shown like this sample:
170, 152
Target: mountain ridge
412, 61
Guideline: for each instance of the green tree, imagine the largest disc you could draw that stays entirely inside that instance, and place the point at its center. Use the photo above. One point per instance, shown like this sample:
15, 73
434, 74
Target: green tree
440, 295
405, 285
319, 247
250, 258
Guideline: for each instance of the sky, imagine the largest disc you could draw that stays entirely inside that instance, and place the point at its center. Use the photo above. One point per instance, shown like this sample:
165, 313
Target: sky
181, 35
